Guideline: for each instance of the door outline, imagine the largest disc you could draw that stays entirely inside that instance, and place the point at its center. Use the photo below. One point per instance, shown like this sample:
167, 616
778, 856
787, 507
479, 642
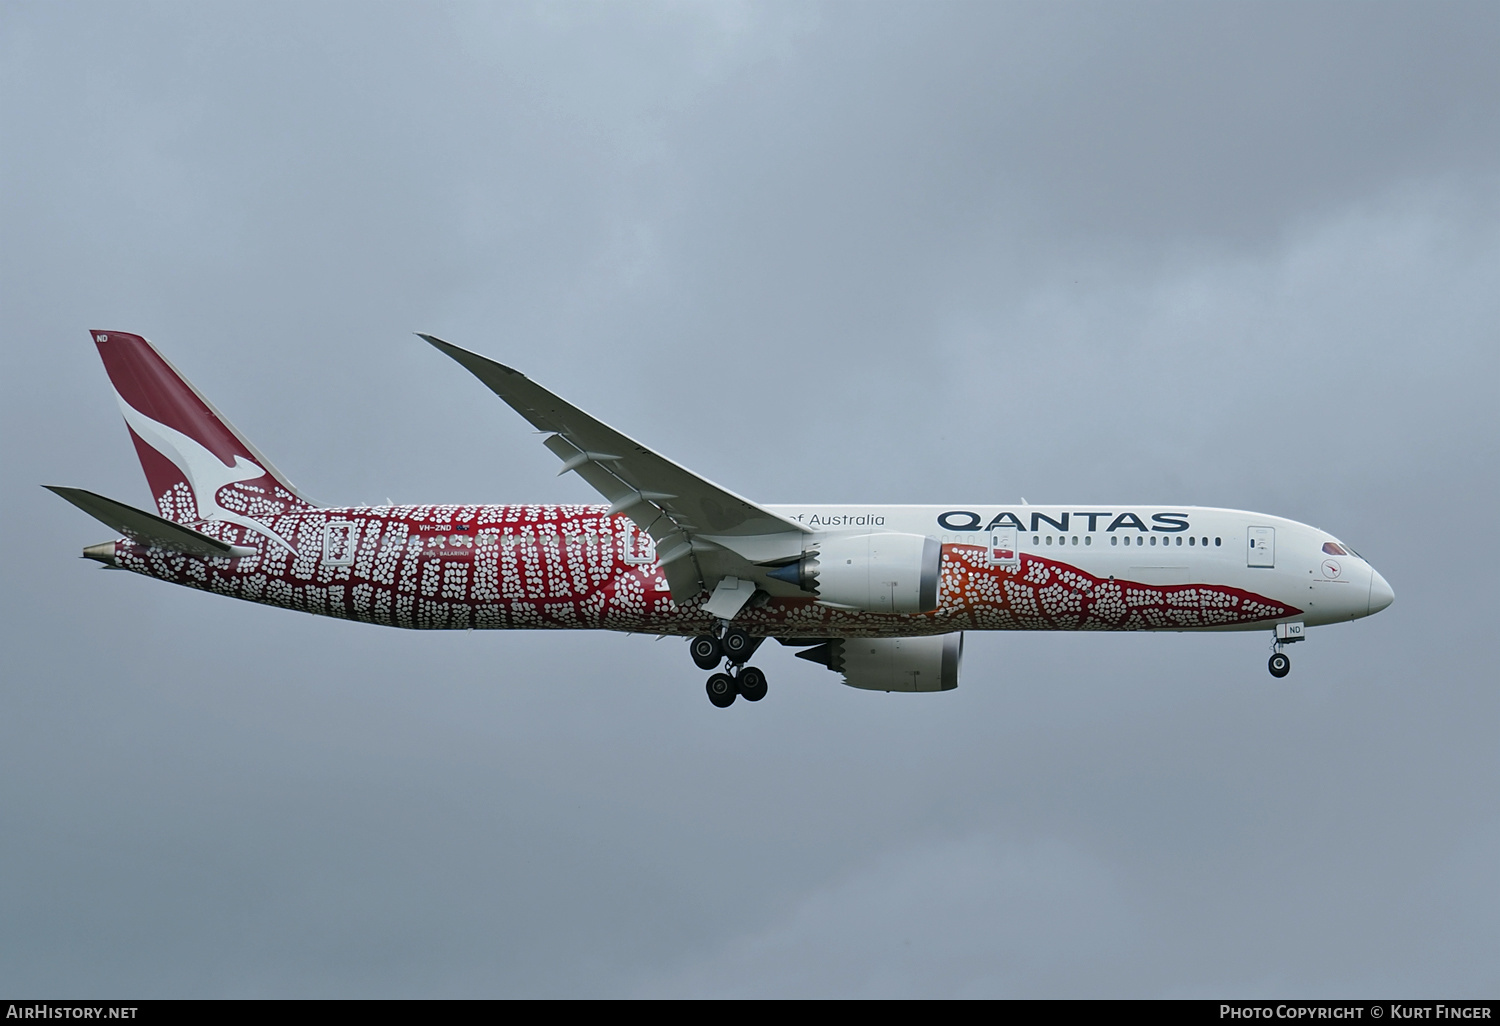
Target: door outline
1260, 547
1003, 549
340, 540
639, 548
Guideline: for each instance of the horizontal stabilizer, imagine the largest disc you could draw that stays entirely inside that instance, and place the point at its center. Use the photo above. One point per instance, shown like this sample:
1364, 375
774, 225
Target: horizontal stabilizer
148, 528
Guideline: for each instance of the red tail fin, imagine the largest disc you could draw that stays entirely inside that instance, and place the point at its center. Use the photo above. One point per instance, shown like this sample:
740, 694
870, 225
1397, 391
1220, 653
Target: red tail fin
199, 467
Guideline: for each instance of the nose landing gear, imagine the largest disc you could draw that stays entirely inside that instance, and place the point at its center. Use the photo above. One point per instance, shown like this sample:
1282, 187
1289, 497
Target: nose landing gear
1286, 634
734, 646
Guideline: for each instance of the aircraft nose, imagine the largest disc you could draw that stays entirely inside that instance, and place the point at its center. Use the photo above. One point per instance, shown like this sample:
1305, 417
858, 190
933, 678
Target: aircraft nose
1381, 594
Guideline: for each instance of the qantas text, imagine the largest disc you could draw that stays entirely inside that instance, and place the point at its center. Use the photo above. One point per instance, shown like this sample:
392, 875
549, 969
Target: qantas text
967, 520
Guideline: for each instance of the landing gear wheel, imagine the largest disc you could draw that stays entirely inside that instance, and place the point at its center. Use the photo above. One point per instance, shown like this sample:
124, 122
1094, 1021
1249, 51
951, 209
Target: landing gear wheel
737, 645
1280, 665
721, 690
707, 652
752, 684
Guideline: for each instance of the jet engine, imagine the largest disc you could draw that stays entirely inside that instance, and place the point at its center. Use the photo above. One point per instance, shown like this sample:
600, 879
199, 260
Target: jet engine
893, 664
878, 572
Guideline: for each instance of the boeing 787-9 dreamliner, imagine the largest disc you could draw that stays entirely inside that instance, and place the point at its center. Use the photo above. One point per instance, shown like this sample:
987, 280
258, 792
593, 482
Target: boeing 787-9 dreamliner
879, 594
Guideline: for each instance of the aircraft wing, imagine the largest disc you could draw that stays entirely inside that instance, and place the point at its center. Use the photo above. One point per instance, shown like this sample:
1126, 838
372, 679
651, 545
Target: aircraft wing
704, 534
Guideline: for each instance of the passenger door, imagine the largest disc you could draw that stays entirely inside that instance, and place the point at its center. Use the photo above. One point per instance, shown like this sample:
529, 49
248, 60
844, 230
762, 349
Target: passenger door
1261, 547
1002, 548
339, 541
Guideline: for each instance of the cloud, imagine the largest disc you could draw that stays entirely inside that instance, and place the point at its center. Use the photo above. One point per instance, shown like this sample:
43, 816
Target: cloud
972, 917
1227, 254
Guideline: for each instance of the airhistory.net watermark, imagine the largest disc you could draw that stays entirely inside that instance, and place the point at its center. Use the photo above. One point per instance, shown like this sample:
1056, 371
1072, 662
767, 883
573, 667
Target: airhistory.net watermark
48, 1010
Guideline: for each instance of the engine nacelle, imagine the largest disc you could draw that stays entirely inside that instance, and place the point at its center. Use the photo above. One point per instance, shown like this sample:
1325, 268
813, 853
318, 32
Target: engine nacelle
893, 664
877, 572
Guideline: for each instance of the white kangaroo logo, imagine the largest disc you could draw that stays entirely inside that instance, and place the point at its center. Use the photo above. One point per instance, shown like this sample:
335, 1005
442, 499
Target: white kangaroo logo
205, 472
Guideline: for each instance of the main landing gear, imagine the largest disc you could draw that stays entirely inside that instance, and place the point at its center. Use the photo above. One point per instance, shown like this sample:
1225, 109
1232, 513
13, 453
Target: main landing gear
733, 646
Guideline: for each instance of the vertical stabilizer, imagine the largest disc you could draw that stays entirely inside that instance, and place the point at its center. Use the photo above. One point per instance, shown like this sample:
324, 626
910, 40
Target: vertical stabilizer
198, 466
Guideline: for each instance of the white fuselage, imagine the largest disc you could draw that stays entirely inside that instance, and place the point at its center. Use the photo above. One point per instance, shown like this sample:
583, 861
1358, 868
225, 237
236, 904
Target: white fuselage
1166, 545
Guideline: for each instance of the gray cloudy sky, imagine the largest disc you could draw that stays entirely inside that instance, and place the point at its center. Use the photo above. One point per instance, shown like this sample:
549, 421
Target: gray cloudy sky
1217, 253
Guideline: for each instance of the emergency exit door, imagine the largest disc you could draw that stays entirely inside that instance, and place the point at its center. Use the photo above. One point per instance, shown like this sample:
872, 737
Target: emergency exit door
1002, 548
1261, 547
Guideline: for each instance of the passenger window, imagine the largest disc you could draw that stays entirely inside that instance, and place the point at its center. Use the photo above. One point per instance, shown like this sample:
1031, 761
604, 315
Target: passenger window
1192, 541
1218, 541
1114, 541
1088, 539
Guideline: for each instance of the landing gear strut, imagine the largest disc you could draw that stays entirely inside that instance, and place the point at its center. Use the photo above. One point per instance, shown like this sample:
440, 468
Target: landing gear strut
733, 645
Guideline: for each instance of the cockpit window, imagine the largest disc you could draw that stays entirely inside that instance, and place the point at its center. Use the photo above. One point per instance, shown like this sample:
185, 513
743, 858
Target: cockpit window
1340, 549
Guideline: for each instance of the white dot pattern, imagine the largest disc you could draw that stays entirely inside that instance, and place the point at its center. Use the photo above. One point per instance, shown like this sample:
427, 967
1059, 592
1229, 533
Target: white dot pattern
563, 567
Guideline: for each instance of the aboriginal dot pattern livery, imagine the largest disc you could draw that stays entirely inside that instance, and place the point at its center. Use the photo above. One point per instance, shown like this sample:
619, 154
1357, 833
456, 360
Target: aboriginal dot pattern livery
1045, 594
569, 567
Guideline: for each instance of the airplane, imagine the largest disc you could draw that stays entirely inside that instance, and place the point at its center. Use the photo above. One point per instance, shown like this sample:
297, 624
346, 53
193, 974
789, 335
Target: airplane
880, 594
